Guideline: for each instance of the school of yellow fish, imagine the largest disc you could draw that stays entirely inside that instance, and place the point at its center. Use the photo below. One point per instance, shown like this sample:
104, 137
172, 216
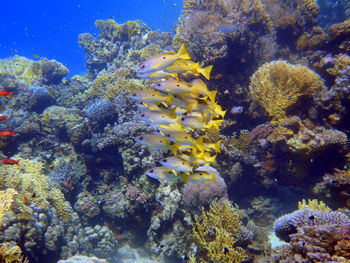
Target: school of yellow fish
181, 114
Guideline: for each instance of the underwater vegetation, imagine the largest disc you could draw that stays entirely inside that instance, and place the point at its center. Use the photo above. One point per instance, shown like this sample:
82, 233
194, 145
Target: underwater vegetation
226, 142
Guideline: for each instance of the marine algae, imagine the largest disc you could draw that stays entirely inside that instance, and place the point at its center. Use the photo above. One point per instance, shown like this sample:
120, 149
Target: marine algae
218, 230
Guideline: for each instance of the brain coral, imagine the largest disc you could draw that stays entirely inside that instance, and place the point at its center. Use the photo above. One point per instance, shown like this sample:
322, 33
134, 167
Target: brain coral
201, 194
278, 85
288, 224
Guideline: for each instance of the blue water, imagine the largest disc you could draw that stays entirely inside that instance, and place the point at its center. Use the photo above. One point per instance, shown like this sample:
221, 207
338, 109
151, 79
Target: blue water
51, 28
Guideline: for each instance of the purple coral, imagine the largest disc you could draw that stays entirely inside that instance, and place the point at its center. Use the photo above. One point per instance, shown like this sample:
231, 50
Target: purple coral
287, 224
201, 194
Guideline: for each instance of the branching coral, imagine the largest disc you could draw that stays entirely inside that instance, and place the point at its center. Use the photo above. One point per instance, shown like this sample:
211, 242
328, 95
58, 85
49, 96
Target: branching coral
313, 205
217, 231
6, 199
278, 85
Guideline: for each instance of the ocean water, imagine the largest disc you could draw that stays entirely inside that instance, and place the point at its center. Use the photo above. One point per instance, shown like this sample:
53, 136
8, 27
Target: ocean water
86, 165
51, 28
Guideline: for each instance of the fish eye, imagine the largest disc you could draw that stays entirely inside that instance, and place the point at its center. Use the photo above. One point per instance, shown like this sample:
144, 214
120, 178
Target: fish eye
151, 171
142, 115
167, 135
158, 84
141, 138
163, 57
186, 137
134, 94
177, 85
182, 119
164, 160
143, 66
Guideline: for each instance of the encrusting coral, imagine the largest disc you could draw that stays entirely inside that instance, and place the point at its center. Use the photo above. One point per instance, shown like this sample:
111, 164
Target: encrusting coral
217, 232
278, 85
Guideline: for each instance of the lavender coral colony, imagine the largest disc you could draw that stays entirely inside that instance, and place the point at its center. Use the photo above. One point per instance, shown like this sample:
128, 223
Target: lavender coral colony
193, 147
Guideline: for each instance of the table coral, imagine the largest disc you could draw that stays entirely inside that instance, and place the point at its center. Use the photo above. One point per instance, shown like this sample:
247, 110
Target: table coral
278, 85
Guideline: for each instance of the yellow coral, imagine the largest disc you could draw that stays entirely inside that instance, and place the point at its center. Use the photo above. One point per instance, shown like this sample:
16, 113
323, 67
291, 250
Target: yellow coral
313, 205
6, 199
243, 143
217, 231
20, 67
278, 85
11, 253
28, 178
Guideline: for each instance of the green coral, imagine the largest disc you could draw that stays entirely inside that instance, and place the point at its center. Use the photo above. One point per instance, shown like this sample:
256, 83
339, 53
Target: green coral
22, 68
217, 231
28, 178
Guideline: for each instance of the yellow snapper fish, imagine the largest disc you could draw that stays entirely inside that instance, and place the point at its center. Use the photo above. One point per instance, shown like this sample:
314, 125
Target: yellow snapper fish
184, 66
202, 89
155, 118
158, 75
156, 142
162, 173
173, 86
209, 107
200, 177
197, 123
150, 96
176, 164
205, 159
162, 61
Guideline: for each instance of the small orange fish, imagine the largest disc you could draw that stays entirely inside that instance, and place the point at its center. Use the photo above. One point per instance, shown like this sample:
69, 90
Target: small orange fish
7, 133
3, 118
68, 185
5, 93
10, 161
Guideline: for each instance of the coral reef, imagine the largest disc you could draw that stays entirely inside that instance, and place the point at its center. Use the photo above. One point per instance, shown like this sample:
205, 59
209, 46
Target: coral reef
217, 232
278, 85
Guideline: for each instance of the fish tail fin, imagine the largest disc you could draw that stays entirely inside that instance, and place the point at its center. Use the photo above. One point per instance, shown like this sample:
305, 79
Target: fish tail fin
212, 95
214, 124
213, 177
217, 146
184, 177
172, 112
200, 144
205, 71
182, 52
218, 110
169, 99
17, 162
174, 148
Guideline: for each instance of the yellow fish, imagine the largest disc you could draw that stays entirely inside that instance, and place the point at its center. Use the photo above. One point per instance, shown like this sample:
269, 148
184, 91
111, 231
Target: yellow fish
150, 96
158, 75
162, 173
184, 66
156, 142
155, 118
200, 177
176, 164
202, 89
173, 86
180, 137
162, 61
